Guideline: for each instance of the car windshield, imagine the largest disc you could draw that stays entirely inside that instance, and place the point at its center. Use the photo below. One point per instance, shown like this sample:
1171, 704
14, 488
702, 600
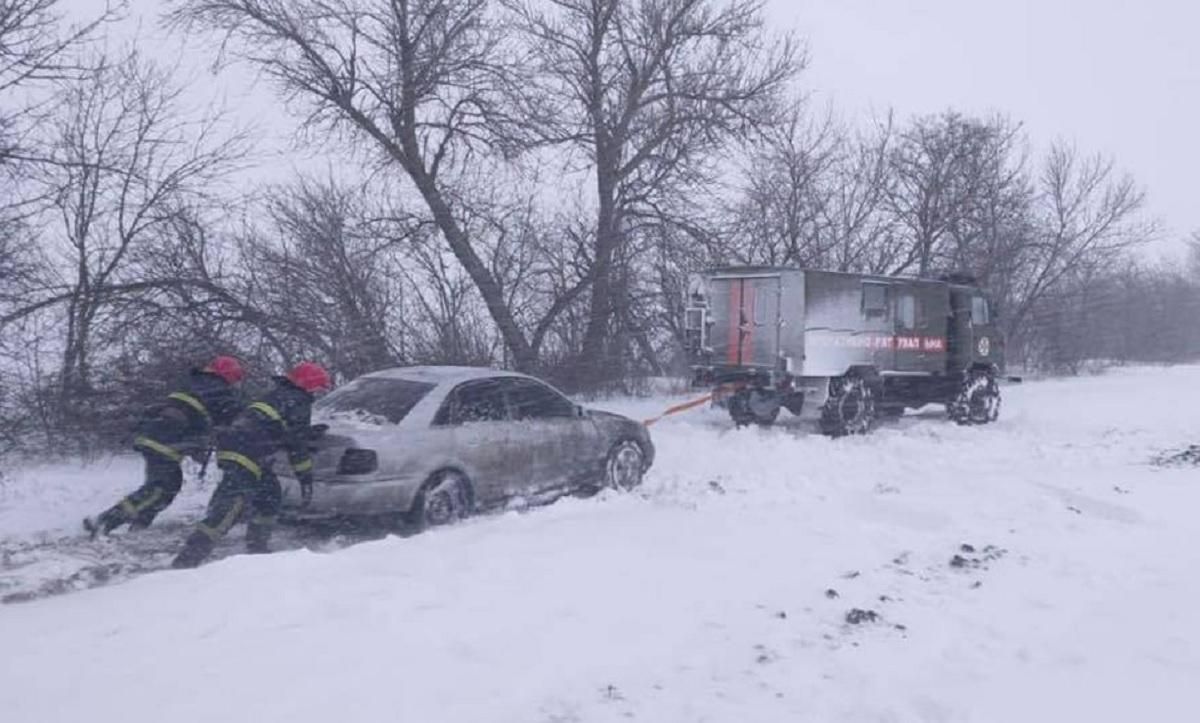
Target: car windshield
373, 400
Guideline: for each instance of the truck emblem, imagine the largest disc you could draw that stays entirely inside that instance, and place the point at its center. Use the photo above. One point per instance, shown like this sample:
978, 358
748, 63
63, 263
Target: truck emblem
985, 346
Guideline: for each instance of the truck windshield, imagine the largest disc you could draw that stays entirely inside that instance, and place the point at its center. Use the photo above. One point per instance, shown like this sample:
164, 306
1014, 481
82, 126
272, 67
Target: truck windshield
373, 400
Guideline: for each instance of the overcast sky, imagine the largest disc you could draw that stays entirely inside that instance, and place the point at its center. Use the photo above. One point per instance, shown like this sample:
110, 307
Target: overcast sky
1116, 77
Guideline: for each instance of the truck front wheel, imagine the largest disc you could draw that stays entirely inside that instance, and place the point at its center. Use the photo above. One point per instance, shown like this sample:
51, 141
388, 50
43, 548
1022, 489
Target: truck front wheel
978, 401
850, 408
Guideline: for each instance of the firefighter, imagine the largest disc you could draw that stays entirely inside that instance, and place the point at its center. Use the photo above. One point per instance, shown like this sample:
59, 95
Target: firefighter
179, 426
278, 421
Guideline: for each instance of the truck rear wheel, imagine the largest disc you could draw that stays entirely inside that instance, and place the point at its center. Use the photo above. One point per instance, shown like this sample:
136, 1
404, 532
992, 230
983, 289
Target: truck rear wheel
754, 406
850, 408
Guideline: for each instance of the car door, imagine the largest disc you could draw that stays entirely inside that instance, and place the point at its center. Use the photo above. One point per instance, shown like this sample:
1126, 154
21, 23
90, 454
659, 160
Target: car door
480, 437
552, 430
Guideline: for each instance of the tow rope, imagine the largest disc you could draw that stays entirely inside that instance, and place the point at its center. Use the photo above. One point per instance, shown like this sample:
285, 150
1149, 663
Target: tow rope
693, 403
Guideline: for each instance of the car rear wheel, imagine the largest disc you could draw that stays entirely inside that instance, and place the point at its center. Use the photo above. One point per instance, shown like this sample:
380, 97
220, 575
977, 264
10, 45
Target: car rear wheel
625, 465
444, 500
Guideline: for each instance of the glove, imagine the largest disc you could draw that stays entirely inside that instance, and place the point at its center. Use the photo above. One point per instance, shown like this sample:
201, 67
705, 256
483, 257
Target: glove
306, 489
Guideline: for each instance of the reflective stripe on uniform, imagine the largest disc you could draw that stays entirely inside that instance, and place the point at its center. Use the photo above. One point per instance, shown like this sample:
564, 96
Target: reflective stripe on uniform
215, 533
151, 498
302, 466
268, 411
240, 459
191, 401
169, 452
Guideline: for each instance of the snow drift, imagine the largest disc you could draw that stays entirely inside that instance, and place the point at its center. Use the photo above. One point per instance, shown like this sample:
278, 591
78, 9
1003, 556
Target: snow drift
1036, 569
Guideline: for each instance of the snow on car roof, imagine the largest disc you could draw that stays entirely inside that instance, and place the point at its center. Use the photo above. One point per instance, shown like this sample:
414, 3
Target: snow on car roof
441, 374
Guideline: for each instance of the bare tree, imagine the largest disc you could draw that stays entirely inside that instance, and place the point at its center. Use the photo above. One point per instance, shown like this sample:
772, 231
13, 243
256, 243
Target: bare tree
782, 213
328, 276
420, 82
122, 158
864, 237
648, 91
946, 168
1193, 257
36, 47
1087, 216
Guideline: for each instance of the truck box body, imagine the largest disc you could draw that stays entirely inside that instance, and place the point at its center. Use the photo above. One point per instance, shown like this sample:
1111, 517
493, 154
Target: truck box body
821, 323
766, 337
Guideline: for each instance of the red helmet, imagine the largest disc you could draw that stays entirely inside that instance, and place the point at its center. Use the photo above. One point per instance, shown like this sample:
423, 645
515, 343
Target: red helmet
310, 376
228, 368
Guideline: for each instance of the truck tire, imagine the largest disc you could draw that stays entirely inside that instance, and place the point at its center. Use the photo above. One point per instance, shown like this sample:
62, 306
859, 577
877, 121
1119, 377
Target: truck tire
754, 406
850, 408
978, 400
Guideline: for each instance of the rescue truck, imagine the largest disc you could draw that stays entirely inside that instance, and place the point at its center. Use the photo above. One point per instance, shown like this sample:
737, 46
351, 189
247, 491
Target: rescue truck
843, 348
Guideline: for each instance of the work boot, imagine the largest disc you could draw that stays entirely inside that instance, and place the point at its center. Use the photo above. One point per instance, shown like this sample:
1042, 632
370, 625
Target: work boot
198, 547
143, 520
258, 536
105, 523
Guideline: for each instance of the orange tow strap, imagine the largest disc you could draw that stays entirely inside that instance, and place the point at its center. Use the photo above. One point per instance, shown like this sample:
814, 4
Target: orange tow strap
692, 404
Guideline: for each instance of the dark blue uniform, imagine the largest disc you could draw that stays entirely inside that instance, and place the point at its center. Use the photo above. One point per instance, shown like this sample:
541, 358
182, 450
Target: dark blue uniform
279, 421
181, 425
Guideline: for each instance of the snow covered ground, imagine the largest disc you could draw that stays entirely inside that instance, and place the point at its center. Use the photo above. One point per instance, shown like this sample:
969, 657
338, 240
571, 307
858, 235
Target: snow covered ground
1035, 570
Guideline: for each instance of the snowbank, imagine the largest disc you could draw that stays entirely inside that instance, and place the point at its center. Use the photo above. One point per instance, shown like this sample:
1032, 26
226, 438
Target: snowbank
1037, 569
50, 500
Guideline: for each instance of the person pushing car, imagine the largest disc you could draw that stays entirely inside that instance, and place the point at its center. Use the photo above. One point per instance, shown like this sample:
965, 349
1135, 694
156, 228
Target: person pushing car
279, 421
179, 426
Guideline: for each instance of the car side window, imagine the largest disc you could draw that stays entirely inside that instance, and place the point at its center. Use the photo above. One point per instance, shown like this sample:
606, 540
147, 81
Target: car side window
475, 401
533, 400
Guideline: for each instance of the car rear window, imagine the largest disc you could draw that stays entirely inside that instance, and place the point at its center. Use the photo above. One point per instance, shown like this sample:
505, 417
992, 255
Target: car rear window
381, 401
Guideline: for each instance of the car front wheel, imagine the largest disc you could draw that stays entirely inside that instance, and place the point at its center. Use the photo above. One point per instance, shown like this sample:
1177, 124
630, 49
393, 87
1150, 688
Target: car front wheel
625, 465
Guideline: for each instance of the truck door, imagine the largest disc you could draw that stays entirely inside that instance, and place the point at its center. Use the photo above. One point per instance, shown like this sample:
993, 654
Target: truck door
959, 341
745, 320
987, 342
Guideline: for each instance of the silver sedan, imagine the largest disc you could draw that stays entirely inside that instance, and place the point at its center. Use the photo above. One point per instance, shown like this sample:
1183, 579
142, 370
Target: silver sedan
438, 443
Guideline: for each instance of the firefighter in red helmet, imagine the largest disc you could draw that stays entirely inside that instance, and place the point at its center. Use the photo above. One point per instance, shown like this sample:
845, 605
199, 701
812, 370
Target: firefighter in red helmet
278, 421
179, 426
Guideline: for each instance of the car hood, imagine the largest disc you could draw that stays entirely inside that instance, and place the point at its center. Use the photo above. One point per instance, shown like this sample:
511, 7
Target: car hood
601, 414
619, 423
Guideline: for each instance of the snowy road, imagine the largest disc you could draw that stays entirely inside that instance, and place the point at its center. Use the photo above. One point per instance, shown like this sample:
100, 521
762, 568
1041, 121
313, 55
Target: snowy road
721, 593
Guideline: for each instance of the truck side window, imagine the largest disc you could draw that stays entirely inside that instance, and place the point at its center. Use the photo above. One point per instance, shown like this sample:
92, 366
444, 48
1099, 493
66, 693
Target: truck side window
980, 311
906, 311
874, 300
